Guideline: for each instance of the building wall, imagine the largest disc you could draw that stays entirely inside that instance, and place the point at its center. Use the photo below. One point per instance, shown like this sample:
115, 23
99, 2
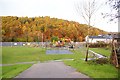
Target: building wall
96, 40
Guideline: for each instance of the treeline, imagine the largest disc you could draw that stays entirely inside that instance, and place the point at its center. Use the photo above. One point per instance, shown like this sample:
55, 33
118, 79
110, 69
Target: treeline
33, 29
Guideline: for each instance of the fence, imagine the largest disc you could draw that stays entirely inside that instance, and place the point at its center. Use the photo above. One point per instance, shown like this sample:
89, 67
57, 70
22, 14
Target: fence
44, 44
21, 43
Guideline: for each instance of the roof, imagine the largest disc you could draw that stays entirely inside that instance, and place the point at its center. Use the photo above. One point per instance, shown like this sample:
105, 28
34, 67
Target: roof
117, 36
101, 37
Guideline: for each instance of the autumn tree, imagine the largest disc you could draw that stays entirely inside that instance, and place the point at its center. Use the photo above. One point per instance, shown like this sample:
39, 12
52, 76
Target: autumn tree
24, 29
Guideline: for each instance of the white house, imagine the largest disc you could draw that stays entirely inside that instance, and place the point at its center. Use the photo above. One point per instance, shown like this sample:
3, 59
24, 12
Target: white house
99, 38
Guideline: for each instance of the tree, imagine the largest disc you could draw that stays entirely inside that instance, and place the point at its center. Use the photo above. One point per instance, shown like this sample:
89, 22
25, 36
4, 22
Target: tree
87, 10
30, 29
114, 6
54, 38
43, 29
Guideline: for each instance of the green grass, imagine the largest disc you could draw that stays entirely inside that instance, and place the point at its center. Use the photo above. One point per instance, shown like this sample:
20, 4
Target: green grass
76, 55
119, 74
0, 72
20, 54
0, 54
14, 70
27, 54
102, 51
94, 70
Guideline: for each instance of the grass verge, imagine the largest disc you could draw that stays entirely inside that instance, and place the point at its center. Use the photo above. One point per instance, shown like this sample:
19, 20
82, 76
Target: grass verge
94, 70
14, 70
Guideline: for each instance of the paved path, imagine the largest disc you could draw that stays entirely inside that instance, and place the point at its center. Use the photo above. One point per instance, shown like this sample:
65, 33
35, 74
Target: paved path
18, 63
51, 70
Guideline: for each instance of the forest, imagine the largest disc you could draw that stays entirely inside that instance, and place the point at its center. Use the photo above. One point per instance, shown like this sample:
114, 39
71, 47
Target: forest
37, 29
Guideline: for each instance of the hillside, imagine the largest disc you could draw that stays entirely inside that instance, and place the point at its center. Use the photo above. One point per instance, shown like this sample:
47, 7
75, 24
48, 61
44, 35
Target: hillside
23, 29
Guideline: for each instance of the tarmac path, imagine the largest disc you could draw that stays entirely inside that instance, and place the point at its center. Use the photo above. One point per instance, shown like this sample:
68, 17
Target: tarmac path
51, 70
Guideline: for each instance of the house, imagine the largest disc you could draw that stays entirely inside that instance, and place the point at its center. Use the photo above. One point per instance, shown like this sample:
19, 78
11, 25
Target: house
99, 38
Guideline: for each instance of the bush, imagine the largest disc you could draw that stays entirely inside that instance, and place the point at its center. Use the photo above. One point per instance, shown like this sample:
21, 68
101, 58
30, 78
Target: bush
99, 44
99, 61
54, 38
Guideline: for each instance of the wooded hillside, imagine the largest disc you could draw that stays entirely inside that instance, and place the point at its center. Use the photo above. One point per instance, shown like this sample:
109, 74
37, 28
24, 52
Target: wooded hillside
22, 29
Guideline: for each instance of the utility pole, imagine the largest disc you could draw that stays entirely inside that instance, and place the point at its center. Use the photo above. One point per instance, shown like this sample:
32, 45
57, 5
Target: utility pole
119, 19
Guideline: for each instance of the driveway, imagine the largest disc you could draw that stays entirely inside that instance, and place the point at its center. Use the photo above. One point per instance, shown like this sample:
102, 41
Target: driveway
51, 70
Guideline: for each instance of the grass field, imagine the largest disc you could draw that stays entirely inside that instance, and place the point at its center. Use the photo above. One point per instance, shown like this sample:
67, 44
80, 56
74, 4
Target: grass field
28, 54
103, 51
94, 70
0, 61
20, 54
14, 70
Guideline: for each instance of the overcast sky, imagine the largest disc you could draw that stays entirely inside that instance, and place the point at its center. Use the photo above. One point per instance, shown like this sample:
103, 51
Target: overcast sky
63, 9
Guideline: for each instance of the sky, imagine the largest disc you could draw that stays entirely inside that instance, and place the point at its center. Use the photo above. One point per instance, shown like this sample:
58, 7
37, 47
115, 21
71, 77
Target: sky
62, 9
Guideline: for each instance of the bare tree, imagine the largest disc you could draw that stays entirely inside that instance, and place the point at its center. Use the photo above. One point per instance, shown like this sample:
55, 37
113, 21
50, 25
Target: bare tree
114, 6
87, 10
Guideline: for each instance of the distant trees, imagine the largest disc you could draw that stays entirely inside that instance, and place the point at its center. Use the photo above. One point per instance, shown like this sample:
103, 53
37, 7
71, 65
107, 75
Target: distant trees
24, 29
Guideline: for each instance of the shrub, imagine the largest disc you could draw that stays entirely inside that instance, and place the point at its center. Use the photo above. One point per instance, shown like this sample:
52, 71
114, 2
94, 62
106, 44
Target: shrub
54, 38
99, 44
99, 61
